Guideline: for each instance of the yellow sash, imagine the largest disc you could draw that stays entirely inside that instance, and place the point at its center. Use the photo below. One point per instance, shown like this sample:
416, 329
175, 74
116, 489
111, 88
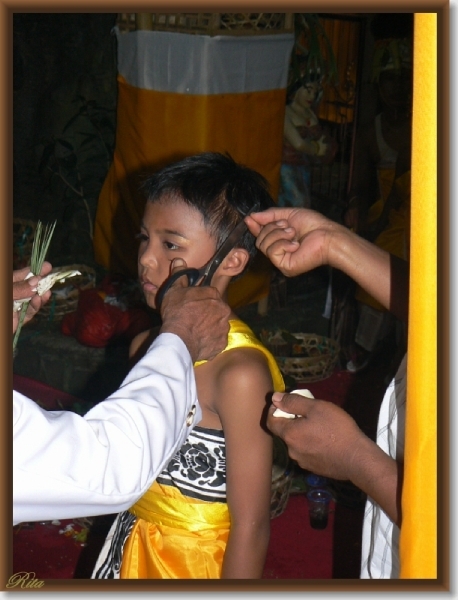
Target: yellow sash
175, 537
165, 505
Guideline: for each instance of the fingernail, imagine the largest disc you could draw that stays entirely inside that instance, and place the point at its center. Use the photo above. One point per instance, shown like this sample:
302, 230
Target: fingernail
33, 282
288, 229
277, 396
178, 262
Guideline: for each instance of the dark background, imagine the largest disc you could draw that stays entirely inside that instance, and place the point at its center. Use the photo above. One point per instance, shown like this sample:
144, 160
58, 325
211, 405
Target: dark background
64, 111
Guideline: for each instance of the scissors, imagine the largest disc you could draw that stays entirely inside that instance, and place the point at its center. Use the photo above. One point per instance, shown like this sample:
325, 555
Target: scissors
205, 273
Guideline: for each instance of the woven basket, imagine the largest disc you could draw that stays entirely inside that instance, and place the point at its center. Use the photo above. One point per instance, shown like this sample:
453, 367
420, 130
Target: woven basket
279, 342
282, 479
64, 297
208, 23
23, 236
313, 358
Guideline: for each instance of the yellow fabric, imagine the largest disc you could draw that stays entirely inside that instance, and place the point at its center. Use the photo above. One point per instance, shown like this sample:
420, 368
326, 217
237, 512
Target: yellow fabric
418, 541
385, 179
175, 537
344, 38
241, 336
395, 237
156, 128
178, 537
165, 505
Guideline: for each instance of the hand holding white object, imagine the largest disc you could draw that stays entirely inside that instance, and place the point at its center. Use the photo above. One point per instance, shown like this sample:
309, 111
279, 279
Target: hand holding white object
45, 284
281, 413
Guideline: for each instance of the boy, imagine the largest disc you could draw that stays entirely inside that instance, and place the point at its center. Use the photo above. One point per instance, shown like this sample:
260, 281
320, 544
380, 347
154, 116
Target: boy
208, 513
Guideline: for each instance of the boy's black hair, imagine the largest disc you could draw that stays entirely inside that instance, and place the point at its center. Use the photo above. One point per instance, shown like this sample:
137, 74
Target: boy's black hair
222, 190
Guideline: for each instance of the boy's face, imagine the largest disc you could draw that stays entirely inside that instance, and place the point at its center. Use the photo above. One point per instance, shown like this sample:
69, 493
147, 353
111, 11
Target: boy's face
170, 230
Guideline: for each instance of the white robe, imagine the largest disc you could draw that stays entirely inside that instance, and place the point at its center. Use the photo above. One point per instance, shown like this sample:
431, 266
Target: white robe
68, 466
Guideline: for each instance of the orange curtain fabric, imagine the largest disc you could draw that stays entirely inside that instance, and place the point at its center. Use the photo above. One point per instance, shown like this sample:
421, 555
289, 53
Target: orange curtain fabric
418, 542
159, 126
337, 104
155, 128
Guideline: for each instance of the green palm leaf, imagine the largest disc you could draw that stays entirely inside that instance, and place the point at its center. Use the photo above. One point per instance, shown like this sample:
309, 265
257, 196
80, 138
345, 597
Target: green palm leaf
39, 250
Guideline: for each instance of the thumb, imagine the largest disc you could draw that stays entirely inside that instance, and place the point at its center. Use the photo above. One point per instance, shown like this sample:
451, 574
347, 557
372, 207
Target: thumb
253, 226
267, 216
21, 274
298, 402
177, 265
25, 289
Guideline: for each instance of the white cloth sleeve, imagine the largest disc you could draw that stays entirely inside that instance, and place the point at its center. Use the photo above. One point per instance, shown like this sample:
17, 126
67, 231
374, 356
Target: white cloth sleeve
68, 466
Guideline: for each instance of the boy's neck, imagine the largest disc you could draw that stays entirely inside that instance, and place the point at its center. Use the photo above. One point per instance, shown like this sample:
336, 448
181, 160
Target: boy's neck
222, 288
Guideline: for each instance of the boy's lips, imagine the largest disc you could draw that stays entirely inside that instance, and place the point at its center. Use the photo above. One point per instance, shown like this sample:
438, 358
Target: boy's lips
148, 286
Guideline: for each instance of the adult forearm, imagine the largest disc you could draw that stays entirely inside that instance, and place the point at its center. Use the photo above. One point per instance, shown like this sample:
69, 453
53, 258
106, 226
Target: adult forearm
382, 275
379, 476
67, 466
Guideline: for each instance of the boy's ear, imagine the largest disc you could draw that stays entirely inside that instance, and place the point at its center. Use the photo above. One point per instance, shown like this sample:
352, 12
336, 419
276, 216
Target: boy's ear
235, 262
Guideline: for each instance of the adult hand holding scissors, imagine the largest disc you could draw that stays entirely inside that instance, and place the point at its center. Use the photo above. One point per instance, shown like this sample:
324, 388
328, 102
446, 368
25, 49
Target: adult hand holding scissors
204, 275
197, 314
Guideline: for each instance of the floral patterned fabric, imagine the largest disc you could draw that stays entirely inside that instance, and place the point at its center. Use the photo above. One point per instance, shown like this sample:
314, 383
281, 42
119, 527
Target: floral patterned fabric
198, 469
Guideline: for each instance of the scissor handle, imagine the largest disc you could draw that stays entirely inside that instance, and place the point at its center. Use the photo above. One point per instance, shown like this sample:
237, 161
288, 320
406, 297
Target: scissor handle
193, 276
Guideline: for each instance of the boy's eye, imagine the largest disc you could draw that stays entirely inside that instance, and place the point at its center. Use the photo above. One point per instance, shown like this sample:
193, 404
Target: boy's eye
171, 246
142, 237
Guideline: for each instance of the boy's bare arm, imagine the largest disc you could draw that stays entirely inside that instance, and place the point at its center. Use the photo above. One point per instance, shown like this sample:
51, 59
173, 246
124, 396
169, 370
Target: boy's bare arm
245, 383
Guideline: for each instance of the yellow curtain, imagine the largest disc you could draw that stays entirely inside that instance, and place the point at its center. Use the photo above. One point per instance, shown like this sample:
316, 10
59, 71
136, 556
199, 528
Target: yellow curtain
418, 542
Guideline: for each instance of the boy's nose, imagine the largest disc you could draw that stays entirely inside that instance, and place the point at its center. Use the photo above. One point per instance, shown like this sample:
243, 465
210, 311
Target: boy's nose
147, 258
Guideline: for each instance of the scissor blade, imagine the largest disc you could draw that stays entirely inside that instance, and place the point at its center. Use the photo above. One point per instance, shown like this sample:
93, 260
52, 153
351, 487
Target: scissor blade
208, 270
235, 235
229, 242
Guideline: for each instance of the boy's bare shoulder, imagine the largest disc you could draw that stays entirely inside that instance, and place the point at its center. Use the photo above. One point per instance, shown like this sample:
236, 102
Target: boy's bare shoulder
142, 341
241, 364
243, 374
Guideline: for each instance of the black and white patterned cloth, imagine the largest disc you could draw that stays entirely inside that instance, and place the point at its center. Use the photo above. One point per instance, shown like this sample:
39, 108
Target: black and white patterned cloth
198, 469
109, 561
